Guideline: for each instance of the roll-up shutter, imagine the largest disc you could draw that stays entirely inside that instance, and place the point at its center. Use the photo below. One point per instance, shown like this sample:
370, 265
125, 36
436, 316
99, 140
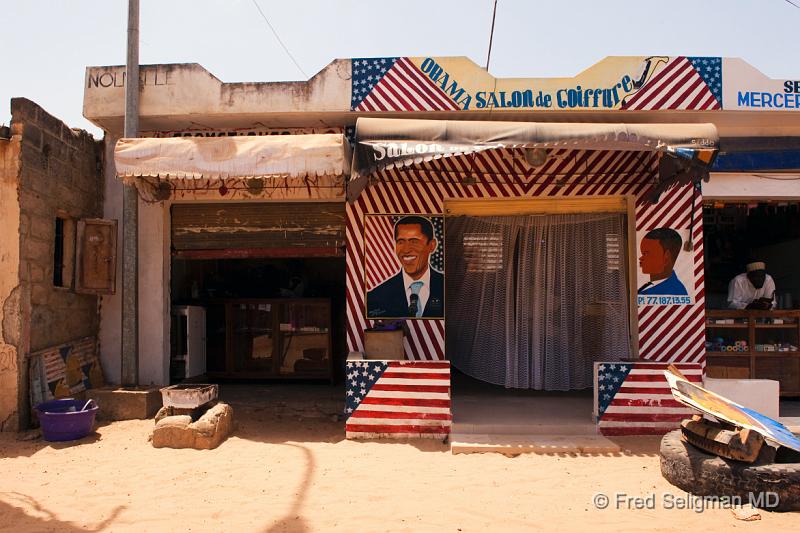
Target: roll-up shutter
212, 231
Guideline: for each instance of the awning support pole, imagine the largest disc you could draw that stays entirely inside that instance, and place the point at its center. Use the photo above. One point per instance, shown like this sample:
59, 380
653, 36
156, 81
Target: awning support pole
130, 214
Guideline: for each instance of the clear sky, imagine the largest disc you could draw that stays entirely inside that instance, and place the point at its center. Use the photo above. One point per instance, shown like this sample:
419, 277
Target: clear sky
47, 44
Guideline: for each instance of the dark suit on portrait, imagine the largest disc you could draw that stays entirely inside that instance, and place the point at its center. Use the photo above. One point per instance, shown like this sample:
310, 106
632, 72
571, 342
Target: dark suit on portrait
388, 300
672, 286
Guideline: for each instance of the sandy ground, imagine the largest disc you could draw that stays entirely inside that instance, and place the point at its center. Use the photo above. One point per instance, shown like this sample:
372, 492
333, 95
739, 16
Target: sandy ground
288, 468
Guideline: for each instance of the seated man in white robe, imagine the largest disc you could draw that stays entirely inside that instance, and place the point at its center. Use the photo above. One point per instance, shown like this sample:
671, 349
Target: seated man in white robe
754, 289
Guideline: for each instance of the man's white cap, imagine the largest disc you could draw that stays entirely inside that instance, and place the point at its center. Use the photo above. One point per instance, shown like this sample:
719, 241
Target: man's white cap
757, 265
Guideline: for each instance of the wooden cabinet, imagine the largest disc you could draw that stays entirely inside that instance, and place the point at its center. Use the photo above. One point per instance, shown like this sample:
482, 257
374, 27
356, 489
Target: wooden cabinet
754, 344
270, 338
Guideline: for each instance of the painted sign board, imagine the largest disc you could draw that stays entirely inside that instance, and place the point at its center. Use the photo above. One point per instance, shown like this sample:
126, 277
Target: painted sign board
747, 89
666, 269
404, 266
457, 83
688, 393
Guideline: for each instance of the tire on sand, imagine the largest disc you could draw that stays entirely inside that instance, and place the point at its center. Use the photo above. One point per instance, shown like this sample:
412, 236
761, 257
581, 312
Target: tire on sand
703, 474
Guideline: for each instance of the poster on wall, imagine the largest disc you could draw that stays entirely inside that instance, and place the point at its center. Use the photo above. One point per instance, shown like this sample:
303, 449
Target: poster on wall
666, 268
404, 266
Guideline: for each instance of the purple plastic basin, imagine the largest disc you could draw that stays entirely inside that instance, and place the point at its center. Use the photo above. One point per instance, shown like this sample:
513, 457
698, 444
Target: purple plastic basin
66, 419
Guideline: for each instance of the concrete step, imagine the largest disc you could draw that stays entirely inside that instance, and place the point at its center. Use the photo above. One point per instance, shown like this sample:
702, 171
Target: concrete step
514, 444
531, 428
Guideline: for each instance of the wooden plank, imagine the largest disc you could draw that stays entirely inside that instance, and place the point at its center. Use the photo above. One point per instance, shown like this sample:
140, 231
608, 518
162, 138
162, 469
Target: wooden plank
257, 225
255, 253
535, 206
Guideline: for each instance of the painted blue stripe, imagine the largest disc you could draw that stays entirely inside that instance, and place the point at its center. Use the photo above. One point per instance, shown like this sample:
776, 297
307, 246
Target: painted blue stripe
757, 161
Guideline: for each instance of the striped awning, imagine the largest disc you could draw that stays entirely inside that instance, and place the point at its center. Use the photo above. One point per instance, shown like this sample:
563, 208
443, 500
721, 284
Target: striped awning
382, 144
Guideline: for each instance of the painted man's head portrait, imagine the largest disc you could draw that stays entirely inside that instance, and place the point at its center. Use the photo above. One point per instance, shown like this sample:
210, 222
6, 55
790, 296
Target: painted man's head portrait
414, 242
659, 250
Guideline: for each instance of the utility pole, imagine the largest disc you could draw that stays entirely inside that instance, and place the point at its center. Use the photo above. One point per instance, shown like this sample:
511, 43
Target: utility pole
130, 213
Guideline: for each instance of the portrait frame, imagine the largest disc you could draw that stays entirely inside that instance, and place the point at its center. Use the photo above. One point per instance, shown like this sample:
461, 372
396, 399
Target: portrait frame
380, 264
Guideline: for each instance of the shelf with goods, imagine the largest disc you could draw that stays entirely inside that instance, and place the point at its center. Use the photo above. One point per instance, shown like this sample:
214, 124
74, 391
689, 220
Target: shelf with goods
282, 338
745, 344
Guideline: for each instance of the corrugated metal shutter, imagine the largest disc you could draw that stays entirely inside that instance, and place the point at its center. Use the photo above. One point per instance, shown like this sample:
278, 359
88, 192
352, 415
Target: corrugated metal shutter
258, 230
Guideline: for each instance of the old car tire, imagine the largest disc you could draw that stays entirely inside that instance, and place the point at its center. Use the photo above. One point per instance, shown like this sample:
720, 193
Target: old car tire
703, 474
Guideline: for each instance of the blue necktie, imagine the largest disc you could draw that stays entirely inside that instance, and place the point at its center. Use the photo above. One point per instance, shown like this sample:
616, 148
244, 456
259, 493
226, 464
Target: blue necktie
414, 309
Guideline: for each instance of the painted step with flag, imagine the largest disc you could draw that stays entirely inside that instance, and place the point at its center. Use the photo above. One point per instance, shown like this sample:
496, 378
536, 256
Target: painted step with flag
397, 399
635, 398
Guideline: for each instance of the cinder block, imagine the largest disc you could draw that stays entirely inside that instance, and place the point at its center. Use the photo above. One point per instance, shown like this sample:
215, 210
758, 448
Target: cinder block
117, 403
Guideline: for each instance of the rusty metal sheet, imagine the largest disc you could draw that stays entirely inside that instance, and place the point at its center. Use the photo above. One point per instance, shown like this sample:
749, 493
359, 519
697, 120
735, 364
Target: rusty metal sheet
285, 227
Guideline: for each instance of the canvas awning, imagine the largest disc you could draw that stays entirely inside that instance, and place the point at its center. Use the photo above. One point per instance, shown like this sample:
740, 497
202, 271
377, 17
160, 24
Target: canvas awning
392, 143
150, 161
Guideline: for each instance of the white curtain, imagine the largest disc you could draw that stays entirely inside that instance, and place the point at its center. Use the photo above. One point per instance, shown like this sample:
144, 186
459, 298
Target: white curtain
533, 301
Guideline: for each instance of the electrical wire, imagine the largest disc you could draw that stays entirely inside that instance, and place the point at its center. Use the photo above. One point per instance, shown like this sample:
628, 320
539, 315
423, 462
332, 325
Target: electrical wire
491, 35
792, 3
277, 37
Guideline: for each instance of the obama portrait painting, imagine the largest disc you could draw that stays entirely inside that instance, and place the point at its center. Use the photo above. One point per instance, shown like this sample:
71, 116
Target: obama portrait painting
410, 258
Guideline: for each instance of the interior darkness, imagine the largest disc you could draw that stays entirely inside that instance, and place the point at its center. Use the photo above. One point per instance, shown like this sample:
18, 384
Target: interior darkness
737, 233
206, 282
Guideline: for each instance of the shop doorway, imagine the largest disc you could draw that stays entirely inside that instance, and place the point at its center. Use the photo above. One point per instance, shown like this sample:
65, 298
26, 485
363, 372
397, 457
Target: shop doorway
534, 300
257, 290
262, 318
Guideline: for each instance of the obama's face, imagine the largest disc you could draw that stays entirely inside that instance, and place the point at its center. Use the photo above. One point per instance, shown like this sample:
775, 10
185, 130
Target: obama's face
413, 249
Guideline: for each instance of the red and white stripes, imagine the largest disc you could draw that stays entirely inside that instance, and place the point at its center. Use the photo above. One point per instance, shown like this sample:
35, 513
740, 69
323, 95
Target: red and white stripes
677, 86
644, 405
675, 333
666, 333
405, 88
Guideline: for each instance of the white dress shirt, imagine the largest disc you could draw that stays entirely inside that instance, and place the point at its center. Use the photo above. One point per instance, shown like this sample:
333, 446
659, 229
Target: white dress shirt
424, 291
741, 292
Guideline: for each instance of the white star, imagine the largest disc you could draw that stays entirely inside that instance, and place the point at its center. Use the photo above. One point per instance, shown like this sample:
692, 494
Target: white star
383, 61
601, 368
349, 392
616, 380
601, 377
601, 387
371, 377
354, 383
612, 367
370, 77
357, 399
362, 384
605, 396
363, 391
356, 63
365, 373
623, 368
349, 409
383, 70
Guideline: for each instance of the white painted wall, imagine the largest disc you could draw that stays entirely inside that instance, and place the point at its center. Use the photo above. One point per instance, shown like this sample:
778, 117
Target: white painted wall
757, 186
154, 304
153, 288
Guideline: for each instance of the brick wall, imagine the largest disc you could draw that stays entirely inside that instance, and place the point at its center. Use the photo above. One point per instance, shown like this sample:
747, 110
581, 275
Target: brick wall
58, 174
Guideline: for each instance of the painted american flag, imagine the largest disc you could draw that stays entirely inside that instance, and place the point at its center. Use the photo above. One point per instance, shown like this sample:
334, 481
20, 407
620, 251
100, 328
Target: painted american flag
397, 399
394, 84
635, 398
683, 83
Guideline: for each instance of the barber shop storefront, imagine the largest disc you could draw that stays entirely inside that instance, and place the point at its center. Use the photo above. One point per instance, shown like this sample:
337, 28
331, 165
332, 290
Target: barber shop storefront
545, 261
